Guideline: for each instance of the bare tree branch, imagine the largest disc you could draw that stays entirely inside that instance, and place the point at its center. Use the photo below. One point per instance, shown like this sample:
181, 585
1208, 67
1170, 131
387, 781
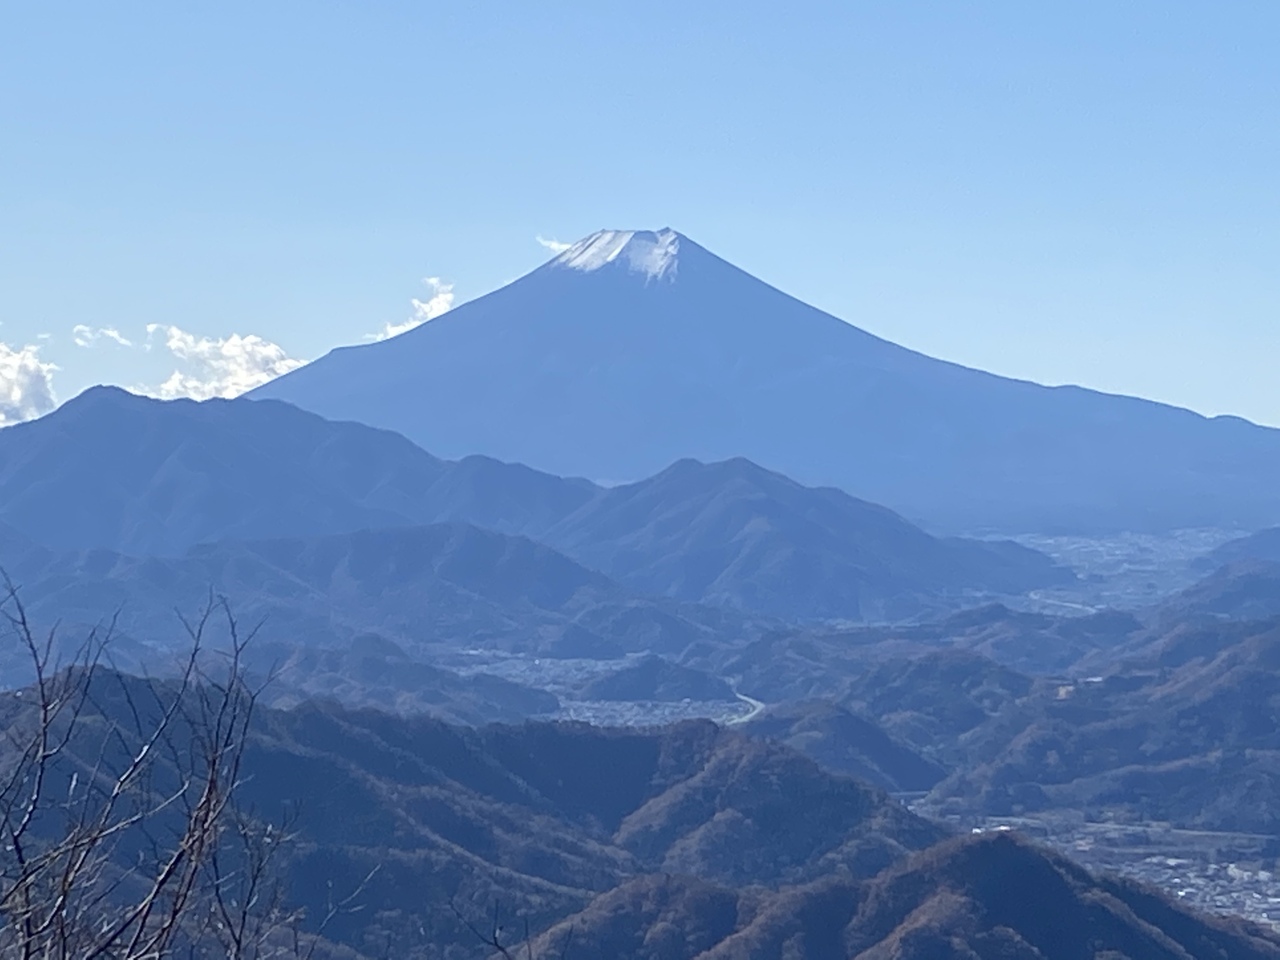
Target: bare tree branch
122, 837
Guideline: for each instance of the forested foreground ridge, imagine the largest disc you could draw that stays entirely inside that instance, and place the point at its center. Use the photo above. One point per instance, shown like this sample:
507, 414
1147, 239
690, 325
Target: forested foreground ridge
181, 817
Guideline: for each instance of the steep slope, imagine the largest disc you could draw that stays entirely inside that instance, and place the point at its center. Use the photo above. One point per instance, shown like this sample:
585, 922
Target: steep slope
1241, 590
993, 897
933, 701
542, 818
538, 819
1263, 545
1185, 733
736, 535
846, 743
653, 917
997, 897
633, 350
685, 842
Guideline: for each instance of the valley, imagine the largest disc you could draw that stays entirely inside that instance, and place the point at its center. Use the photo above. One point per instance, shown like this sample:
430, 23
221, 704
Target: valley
642, 481
1125, 571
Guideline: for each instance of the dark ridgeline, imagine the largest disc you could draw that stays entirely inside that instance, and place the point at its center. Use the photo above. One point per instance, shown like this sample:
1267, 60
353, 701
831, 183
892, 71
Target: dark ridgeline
1167, 719
993, 897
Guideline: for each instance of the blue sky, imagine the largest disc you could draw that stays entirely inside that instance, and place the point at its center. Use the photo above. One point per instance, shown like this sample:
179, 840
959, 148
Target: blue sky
1084, 193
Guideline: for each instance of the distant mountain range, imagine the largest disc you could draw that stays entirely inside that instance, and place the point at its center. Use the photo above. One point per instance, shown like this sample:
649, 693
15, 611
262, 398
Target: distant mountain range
1171, 720
632, 350
147, 478
361, 616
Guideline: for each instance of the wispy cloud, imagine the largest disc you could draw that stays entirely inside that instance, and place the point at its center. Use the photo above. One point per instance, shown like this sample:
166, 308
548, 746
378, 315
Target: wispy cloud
219, 367
440, 302
26, 384
555, 246
86, 336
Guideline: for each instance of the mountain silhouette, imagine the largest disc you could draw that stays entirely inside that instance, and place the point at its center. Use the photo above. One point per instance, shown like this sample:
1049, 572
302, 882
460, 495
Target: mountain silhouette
632, 350
734, 534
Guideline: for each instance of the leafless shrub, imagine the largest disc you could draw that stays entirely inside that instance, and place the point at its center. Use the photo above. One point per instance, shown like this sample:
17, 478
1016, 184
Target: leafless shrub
492, 934
121, 836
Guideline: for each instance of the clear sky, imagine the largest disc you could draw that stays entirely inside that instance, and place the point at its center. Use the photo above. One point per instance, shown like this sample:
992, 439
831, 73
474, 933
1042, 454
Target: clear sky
1082, 192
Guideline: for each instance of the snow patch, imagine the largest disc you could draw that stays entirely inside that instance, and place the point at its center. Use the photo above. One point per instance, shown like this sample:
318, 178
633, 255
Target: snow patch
653, 254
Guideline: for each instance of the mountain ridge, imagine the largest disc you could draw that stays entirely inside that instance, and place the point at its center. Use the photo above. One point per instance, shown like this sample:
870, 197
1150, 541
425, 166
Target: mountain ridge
143, 477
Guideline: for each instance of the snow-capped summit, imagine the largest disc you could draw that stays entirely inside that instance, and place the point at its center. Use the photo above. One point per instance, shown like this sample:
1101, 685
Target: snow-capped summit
655, 254
602, 363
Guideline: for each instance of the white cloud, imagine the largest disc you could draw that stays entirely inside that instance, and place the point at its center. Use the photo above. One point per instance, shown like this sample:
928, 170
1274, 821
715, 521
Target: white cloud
225, 367
555, 246
26, 384
440, 301
85, 336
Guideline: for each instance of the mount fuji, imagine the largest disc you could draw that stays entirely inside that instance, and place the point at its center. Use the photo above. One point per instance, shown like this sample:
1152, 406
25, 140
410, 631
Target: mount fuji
634, 349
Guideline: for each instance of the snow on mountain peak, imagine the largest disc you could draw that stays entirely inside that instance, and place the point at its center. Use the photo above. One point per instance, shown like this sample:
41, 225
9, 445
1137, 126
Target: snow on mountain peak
653, 254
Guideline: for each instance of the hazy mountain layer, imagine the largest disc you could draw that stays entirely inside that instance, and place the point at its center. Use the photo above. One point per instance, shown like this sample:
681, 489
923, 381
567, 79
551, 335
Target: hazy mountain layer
147, 478
734, 534
362, 616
